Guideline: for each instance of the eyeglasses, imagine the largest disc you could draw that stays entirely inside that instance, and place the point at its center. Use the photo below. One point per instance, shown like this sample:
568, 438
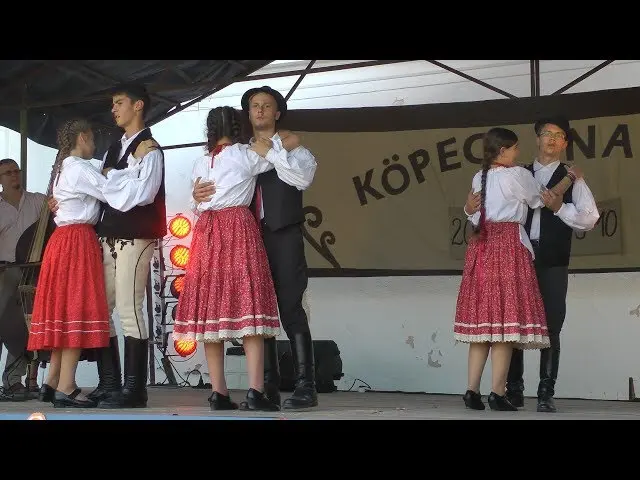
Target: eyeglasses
555, 136
15, 171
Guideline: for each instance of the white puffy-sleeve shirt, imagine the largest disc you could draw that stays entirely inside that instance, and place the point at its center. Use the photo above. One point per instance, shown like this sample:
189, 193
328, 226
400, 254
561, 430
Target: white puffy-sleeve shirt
79, 190
510, 193
234, 173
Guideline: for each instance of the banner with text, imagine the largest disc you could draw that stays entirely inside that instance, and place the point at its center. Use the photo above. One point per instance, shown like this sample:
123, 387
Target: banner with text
392, 201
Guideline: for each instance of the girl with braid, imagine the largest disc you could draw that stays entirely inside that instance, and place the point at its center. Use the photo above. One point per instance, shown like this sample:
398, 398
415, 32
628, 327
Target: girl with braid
228, 290
499, 305
70, 307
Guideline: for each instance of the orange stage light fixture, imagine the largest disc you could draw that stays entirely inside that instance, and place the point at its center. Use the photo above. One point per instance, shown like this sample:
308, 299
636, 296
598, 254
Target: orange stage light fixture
184, 348
177, 284
179, 226
179, 256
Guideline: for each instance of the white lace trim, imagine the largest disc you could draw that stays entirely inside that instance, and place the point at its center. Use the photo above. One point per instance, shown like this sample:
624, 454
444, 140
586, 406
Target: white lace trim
522, 341
226, 334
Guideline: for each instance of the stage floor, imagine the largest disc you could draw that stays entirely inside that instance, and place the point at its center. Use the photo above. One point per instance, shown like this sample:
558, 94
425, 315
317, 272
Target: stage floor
187, 403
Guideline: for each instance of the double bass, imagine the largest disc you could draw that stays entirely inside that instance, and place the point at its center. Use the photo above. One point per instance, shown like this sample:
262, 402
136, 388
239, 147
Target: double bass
29, 251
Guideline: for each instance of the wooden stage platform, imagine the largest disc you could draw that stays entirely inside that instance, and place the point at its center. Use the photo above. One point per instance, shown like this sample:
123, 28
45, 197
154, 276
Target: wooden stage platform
187, 403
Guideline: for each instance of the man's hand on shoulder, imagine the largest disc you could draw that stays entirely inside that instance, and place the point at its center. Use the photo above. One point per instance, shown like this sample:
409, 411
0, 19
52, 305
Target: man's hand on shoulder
290, 141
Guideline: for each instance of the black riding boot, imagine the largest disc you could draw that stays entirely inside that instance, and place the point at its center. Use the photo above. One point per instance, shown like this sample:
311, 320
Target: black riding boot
515, 380
109, 372
134, 390
305, 394
271, 371
549, 363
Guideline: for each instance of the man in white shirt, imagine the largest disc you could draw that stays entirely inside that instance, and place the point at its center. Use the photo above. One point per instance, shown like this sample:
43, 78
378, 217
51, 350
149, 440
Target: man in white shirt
550, 230
19, 209
278, 198
128, 236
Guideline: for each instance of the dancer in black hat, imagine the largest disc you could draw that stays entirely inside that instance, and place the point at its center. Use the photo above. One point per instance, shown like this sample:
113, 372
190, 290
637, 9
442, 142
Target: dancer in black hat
278, 206
550, 229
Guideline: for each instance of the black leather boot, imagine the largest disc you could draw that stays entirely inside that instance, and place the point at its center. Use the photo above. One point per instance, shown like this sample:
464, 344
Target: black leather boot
515, 381
549, 363
109, 372
46, 393
304, 394
272, 371
134, 389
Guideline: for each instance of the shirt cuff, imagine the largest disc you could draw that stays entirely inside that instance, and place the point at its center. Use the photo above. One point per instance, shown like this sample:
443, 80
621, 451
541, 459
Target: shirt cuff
559, 212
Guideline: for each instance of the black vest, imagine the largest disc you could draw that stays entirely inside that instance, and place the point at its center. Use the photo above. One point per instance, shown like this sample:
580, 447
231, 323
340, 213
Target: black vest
282, 203
555, 235
146, 222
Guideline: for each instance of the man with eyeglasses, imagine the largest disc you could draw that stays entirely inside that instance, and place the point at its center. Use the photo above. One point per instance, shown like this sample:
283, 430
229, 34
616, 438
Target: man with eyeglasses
550, 230
19, 209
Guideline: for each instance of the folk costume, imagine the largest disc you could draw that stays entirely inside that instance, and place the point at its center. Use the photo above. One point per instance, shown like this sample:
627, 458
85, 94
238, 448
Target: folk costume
499, 299
551, 234
128, 235
70, 304
278, 198
228, 290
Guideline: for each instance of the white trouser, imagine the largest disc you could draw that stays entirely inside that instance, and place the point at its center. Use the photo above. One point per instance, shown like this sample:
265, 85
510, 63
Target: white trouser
125, 278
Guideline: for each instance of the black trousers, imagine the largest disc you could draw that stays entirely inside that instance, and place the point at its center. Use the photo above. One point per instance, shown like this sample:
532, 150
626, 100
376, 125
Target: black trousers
553, 283
285, 251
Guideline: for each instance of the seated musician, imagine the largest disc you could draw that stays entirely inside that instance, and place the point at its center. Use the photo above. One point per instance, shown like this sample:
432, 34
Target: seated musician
19, 209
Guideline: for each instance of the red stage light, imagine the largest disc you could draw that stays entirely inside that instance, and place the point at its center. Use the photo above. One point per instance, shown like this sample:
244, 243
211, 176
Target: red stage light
179, 256
177, 284
179, 226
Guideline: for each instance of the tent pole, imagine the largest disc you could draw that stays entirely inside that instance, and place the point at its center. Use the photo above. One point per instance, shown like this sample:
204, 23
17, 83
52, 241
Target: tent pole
23, 145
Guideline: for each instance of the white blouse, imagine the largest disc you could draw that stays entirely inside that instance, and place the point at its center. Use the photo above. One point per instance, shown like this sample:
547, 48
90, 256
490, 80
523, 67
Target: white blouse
79, 189
234, 173
509, 194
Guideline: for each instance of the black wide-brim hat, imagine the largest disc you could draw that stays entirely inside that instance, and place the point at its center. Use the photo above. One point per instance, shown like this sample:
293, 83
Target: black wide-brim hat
282, 103
557, 120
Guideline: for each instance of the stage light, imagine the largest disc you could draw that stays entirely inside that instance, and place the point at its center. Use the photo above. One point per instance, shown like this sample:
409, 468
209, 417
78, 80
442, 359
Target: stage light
36, 416
177, 284
184, 348
179, 226
179, 256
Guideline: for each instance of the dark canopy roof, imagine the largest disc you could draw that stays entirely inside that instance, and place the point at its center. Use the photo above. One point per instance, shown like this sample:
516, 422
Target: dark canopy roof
53, 90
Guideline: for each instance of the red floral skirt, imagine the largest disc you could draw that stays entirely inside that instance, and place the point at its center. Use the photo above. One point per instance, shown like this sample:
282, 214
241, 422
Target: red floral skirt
70, 305
499, 298
228, 290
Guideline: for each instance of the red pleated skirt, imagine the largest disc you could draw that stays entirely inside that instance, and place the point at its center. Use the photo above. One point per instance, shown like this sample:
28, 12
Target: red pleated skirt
70, 305
499, 298
228, 289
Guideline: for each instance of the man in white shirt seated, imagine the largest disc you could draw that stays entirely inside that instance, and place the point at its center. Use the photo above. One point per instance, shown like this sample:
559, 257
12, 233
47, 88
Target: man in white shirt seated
19, 209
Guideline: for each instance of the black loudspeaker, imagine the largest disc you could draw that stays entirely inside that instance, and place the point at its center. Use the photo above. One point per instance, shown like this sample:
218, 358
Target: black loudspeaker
328, 364
327, 360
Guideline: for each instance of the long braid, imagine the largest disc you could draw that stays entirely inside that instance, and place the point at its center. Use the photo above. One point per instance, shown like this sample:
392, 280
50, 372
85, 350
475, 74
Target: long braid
494, 140
66, 138
223, 122
480, 229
